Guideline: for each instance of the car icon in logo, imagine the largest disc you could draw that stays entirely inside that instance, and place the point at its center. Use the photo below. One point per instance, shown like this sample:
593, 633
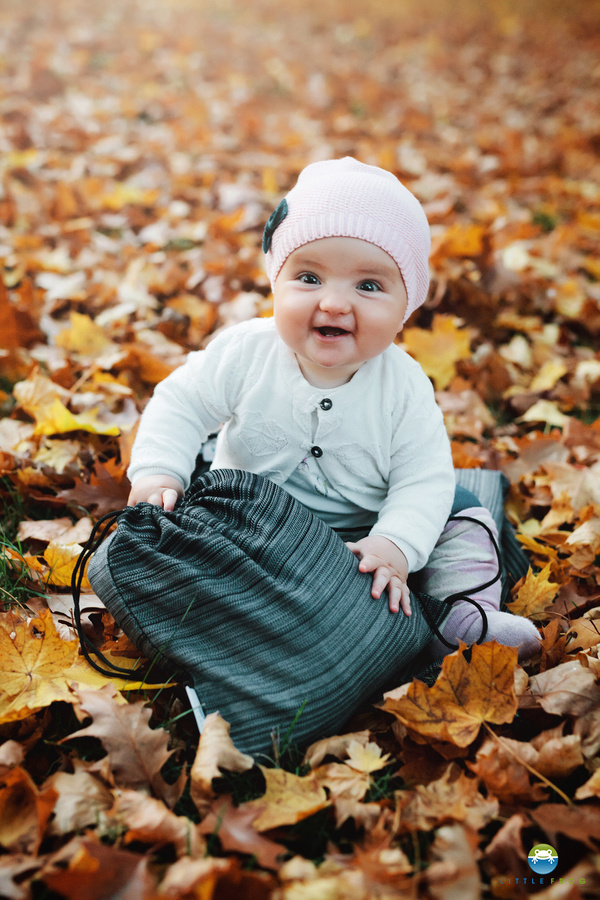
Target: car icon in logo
542, 859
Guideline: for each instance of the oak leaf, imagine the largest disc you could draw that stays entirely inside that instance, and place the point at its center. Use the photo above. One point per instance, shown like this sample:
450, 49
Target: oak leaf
465, 695
216, 751
136, 752
288, 799
150, 822
439, 348
585, 541
81, 800
47, 530
535, 594
235, 829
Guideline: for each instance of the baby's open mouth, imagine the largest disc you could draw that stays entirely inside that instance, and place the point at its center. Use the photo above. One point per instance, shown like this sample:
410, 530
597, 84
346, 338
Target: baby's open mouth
329, 331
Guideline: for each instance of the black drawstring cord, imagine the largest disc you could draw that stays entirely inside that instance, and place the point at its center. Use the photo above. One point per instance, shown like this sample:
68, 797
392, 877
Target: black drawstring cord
461, 595
99, 532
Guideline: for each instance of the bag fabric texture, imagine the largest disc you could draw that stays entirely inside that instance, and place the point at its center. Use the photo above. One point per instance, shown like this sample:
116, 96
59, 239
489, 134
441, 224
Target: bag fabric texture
261, 604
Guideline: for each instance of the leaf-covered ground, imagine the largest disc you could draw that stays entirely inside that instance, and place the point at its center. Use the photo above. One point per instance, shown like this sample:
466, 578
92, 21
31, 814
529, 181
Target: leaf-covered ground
142, 147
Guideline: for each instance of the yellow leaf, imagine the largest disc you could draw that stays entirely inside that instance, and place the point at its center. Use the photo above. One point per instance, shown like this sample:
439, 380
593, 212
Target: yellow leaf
57, 419
545, 411
551, 372
61, 559
464, 695
439, 349
535, 594
288, 799
37, 668
366, 758
84, 337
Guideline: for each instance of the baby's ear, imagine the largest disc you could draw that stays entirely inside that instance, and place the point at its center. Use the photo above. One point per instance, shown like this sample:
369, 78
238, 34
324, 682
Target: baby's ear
274, 220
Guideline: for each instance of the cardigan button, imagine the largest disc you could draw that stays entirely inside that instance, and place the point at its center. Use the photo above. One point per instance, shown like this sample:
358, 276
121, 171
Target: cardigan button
326, 403
316, 451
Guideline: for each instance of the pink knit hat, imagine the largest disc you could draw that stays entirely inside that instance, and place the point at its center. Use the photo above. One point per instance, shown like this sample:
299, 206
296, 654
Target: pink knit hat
346, 198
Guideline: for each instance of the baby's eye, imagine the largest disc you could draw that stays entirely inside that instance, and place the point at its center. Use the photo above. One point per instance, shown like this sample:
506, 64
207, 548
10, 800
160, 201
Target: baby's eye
369, 286
308, 278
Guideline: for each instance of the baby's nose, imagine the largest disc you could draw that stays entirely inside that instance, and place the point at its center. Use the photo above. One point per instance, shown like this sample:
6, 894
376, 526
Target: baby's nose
335, 300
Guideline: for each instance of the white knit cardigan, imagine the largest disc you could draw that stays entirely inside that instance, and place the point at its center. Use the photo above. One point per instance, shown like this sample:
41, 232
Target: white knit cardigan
380, 440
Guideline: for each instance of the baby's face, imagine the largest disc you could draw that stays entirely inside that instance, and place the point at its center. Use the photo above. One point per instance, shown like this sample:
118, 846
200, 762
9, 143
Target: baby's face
339, 302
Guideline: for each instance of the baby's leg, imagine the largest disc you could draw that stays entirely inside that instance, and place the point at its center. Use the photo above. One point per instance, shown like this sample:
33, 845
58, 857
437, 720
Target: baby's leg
464, 558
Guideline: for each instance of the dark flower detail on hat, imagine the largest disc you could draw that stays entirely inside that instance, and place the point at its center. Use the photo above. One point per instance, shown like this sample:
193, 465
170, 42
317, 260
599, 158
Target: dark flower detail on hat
275, 219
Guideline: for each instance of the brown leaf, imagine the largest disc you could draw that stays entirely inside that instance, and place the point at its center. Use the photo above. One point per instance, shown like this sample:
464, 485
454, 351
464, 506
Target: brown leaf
81, 800
136, 752
453, 797
24, 812
454, 874
150, 822
569, 689
235, 829
591, 788
506, 852
216, 751
288, 799
464, 695
581, 823
87, 868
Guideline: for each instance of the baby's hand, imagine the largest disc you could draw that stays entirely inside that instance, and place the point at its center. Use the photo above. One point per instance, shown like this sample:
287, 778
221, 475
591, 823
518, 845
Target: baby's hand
388, 563
161, 490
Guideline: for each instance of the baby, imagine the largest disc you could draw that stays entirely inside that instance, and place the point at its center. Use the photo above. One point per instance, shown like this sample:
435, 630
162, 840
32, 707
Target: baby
320, 400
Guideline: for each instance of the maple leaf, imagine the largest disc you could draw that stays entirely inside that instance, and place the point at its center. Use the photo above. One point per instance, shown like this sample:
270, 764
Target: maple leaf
288, 799
535, 595
465, 695
38, 668
439, 349
136, 752
454, 796
334, 746
216, 751
107, 491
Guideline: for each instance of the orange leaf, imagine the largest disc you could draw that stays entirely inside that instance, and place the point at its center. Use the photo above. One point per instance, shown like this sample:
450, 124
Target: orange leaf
24, 812
288, 799
439, 349
464, 695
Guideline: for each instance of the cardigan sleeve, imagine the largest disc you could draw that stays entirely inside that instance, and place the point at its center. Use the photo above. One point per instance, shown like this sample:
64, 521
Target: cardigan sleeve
421, 481
191, 403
